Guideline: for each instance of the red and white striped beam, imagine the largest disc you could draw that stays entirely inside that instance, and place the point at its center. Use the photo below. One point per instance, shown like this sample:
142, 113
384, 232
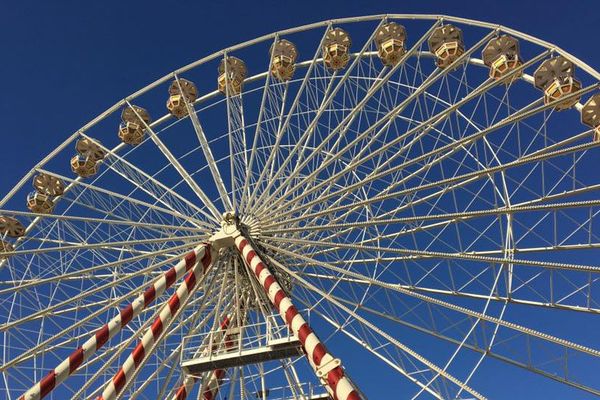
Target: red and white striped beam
103, 335
153, 334
211, 387
327, 368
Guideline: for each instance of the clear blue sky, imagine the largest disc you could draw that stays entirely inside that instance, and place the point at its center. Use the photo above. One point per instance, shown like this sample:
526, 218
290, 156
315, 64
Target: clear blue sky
64, 62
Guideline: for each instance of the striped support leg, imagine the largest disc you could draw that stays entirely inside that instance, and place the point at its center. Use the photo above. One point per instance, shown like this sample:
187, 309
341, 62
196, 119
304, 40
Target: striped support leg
211, 388
215, 378
167, 311
104, 334
185, 388
327, 368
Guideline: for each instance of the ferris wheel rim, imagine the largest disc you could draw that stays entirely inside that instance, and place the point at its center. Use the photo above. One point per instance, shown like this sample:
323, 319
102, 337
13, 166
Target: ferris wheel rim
325, 23
587, 68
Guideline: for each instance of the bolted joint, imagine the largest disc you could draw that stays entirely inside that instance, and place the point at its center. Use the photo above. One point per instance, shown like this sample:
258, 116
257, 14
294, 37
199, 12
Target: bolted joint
225, 237
327, 367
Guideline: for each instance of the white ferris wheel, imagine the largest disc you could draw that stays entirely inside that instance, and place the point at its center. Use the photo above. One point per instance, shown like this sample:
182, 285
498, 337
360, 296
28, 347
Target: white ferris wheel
390, 206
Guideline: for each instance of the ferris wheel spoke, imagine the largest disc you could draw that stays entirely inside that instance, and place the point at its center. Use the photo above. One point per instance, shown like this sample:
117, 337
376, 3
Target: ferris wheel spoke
570, 292
329, 96
392, 307
271, 159
221, 321
436, 254
180, 169
114, 353
405, 350
83, 246
236, 133
539, 198
57, 308
390, 116
421, 128
357, 187
181, 391
265, 101
346, 122
361, 116
409, 204
424, 227
77, 241
37, 220
204, 144
319, 98
523, 250
507, 349
533, 286
311, 233
41, 349
171, 359
503, 177
94, 221
65, 228
48, 348
293, 382
98, 375
89, 196
107, 357
55, 227
376, 350
73, 243
392, 310
80, 321
301, 144
79, 190
444, 218
463, 179
552, 211
453, 147
81, 273
149, 184
284, 128
204, 302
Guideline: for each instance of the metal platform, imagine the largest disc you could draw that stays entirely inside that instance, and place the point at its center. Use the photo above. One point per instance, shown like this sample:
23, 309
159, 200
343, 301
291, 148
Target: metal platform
274, 350
233, 347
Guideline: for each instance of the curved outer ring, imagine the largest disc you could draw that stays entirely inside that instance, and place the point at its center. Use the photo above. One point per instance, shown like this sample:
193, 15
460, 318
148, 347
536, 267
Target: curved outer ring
585, 67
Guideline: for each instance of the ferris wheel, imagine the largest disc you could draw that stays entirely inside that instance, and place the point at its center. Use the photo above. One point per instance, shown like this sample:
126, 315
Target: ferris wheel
390, 206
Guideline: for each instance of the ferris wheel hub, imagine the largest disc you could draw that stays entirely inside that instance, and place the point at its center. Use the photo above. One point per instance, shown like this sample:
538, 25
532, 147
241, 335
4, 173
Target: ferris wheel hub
233, 226
225, 236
